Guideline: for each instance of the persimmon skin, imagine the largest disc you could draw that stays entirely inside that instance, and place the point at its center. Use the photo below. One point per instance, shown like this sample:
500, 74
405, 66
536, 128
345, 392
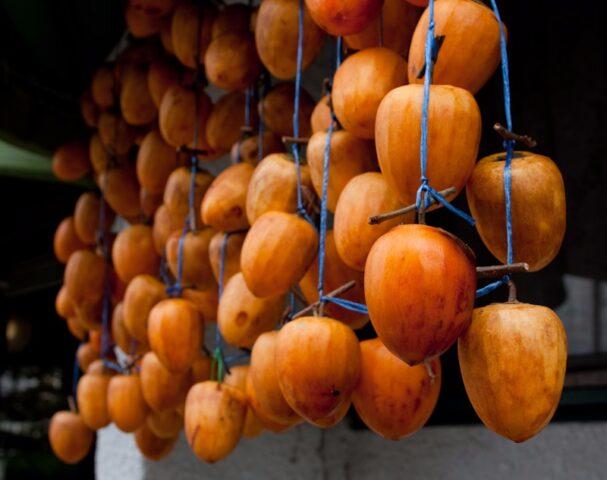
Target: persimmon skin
133, 253
86, 217
151, 446
344, 17
166, 424
238, 378
155, 162
420, 285
84, 277
232, 254
142, 293
92, 399
120, 189
71, 161
277, 109
177, 192
162, 74
126, 405
392, 398
162, 390
165, 224
70, 438
514, 340
66, 240
186, 36
228, 116
136, 102
196, 264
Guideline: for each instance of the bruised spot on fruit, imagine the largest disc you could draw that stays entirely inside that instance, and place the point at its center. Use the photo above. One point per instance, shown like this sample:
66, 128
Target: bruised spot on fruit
241, 318
462, 297
335, 392
235, 211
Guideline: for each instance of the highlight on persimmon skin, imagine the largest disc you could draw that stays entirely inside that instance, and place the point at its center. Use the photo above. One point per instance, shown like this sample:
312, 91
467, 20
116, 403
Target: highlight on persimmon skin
339, 17
70, 439
71, 161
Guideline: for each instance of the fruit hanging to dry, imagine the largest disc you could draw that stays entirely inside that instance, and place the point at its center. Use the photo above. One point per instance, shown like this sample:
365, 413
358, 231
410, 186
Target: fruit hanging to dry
133, 253
196, 267
344, 17
126, 405
70, 438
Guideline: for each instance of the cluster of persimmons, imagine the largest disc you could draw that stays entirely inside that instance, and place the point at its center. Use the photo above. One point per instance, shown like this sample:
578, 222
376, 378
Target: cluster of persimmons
418, 281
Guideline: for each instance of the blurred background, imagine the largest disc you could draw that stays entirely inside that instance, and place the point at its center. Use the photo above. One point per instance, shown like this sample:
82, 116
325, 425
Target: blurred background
48, 51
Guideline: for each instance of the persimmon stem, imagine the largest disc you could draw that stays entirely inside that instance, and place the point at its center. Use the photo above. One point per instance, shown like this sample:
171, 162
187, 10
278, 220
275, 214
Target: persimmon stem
508, 135
383, 217
298, 140
512, 292
494, 271
335, 293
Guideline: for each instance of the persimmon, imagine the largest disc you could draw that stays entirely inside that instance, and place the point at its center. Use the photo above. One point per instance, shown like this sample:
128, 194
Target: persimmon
121, 190
98, 154
126, 405
277, 252
468, 56
248, 150
317, 364
342, 17
166, 424
140, 24
151, 445
507, 341
115, 133
76, 328
86, 217
454, 131
228, 116
232, 254
89, 110
277, 109
89, 314
155, 162
175, 329
195, 263
214, 419
189, 35
273, 186
70, 438
162, 390
337, 273
417, 305
92, 399
204, 300
164, 225
392, 398
150, 202
121, 335
320, 119
64, 305
349, 156
200, 371
538, 207
84, 277
276, 30
136, 102
71, 161
103, 87
177, 191
360, 84
238, 378
133, 253
363, 196
66, 240
86, 354
166, 34
232, 18
142, 293
224, 203
255, 406
269, 399
162, 74
242, 317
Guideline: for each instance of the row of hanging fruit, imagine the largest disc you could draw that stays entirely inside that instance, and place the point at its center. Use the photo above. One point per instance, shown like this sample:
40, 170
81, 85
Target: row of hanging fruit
234, 249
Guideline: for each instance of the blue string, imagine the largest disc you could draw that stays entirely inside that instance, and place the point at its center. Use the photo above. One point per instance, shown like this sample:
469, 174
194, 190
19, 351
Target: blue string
509, 147
219, 356
348, 304
75, 377
426, 193
247, 106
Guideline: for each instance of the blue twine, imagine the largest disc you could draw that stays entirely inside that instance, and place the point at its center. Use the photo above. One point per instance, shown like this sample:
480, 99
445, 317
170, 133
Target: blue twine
75, 377
509, 147
113, 366
219, 355
426, 193
348, 304
247, 106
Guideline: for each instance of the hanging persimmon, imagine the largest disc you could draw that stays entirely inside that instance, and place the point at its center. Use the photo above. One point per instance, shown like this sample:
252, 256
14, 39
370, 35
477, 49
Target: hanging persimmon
116, 134
102, 87
64, 305
121, 335
232, 254
196, 266
142, 293
166, 424
162, 74
342, 17
89, 110
150, 202
66, 240
91, 397
70, 439
126, 405
205, 301
238, 378
228, 116
121, 190
140, 24
162, 390
136, 103
84, 277
177, 192
247, 150
71, 161
164, 225
232, 18
151, 446
86, 355
320, 119
86, 217
155, 162
191, 37
277, 109
133, 253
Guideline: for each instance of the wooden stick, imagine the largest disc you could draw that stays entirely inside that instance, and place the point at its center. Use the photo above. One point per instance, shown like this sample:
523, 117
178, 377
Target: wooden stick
298, 140
335, 293
494, 271
193, 151
383, 217
508, 135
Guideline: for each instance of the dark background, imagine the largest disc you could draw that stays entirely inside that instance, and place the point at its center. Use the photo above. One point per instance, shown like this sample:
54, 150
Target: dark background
48, 51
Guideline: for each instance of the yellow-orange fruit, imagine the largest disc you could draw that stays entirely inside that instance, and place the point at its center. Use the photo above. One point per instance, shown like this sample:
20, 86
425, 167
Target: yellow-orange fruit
162, 74
224, 203
318, 365
103, 88
344, 17
392, 398
89, 315
255, 406
86, 354
205, 301
242, 317
277, 252
117, 135
164, 225
97, 367
92, 399
89, 109
360, 84
214, 419
231, 61
140, 24
420, 285
142, 293
224, 123
150, 202
70, 438
454, 132
393, 29
320, 119
177, 116
196, 264
365, 195
177, 192
83, 278
166, 34
248, 150
66, 240
98, 154
232, 254
468, 56
277, 109
155, 162
86, 217
121, 190
269, 401
151, 446
166, 424
276, 31
71, 161
337, 273
538, 207
349, 156
75, 328
273, 186
200, 371
136, 103
121, 335
189, 35
238, 378
175, 330
231, 19
64, 305
126, 405
133, 253
162, 390
508, 341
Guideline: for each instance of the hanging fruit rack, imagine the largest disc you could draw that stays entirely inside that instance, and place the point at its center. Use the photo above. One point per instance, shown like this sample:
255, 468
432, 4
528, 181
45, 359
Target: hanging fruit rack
238, 248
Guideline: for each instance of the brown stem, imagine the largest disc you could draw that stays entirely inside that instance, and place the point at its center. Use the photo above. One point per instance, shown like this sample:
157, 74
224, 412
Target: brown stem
508, 135
383, 217
494, 271
512, 292
298, 140
193, 151
335, 293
